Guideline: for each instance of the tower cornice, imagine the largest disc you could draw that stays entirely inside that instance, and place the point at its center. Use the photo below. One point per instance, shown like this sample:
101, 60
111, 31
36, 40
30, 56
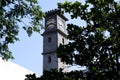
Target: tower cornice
44, 53
54, 31
56, 11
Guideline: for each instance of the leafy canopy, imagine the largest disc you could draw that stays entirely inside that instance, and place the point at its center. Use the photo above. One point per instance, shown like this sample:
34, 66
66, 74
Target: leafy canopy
95, 45
13, 12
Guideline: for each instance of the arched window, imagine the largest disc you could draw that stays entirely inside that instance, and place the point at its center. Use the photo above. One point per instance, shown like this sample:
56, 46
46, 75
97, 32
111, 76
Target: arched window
63, 41
49, 59
49, 39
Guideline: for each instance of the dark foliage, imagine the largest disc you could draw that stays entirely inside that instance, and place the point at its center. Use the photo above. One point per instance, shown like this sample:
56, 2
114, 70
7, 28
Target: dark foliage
13, 12
95, 45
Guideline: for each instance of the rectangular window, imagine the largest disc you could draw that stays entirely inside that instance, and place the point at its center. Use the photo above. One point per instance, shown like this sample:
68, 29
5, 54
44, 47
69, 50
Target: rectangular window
49, 59
49, 39
62, 40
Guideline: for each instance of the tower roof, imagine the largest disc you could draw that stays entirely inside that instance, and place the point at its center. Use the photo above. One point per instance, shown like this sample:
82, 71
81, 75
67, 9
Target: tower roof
56, 11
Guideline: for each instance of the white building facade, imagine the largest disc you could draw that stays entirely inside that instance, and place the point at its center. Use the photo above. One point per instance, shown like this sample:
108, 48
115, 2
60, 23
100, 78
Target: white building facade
12, 71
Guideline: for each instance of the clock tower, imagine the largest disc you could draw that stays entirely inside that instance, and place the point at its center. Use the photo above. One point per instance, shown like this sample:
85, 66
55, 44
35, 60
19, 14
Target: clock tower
53, 36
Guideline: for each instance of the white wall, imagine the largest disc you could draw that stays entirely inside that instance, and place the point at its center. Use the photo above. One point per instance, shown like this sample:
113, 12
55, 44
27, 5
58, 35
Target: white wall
12, 71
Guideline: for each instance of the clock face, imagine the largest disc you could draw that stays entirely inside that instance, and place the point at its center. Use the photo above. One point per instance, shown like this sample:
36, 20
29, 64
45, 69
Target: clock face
61, 24
50, 24
50, 21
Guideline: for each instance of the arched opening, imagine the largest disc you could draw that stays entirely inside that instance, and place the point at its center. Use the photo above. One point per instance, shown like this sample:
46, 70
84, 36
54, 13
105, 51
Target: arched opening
49, 39
63, 41
49, 59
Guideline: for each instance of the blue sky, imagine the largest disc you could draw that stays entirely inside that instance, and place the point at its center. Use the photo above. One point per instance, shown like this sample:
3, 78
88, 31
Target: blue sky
27, 51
